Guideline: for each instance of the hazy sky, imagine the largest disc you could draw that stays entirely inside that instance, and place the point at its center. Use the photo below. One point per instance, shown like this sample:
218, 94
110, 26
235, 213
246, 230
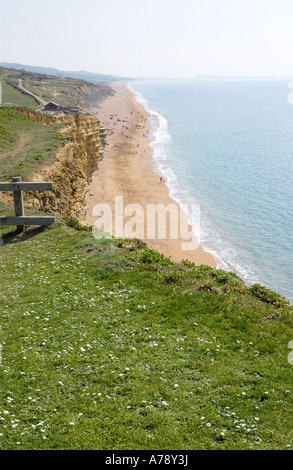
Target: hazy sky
163, 38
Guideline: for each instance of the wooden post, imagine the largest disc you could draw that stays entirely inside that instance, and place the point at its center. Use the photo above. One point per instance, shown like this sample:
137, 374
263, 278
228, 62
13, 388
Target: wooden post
18, 204
17, 187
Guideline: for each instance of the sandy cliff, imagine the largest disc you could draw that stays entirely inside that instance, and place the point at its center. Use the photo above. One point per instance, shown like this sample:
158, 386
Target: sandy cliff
73, 167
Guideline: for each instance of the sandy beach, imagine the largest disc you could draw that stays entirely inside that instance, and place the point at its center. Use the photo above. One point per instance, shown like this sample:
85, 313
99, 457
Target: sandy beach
127, 170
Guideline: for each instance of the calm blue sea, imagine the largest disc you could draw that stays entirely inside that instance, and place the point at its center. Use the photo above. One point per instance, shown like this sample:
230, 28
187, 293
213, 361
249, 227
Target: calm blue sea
227, 144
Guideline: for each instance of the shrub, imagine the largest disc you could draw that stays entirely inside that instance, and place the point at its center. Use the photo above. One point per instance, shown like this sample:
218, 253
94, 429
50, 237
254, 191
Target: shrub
74, 223
149, 256
268, 296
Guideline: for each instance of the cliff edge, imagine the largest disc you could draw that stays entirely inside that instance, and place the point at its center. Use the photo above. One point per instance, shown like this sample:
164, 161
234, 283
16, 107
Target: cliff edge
73, 166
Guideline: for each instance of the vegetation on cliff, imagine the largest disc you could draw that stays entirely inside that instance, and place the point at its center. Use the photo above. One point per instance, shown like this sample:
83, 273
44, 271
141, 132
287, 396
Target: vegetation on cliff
61, 149
106, 344
25, 144
109, 345
12, 96
32, 89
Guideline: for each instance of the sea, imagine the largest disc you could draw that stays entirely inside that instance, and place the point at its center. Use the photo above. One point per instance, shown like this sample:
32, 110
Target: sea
226, 144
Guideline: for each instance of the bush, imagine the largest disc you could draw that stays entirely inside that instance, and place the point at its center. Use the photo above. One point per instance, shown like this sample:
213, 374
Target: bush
268, 296
148, 256
74, 223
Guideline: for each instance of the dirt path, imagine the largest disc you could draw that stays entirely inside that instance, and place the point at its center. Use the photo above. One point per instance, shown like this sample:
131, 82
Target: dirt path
24, 139
36, 97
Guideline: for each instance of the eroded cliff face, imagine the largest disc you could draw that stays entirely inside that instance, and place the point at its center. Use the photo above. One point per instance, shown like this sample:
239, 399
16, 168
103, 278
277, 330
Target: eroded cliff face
73, 167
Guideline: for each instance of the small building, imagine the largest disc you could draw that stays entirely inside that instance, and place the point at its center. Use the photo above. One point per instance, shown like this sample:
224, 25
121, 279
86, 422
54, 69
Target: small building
51, 106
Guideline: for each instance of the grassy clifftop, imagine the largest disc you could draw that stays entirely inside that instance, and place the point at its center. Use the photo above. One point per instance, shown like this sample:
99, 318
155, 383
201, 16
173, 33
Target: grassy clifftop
64, 150
108, 345
13, 96
30, 90
26, 145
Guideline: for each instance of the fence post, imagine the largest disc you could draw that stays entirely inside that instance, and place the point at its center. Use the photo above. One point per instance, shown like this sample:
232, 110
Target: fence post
18, 203
19, 219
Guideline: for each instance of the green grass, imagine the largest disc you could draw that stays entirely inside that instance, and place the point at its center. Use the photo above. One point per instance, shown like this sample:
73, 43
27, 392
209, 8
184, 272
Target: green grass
46, 87
59, 90
108, 345
25, 145
73, 94
13, 96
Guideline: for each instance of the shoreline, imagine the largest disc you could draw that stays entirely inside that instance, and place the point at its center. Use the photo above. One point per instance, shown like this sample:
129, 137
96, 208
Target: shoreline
127, 170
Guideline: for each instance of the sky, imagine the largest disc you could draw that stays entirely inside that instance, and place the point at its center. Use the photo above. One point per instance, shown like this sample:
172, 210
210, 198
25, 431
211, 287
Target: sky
151, 38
